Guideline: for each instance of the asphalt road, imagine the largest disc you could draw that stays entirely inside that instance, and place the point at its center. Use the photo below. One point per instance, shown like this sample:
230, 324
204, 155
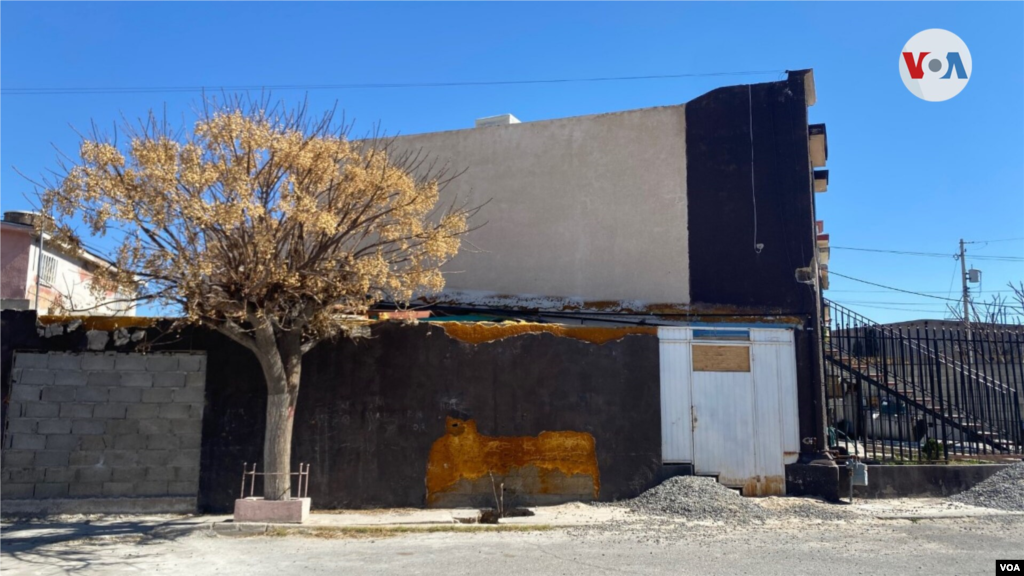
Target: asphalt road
931, 547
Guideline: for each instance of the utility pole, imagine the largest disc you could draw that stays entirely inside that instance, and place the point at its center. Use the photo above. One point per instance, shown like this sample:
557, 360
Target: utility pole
966, 292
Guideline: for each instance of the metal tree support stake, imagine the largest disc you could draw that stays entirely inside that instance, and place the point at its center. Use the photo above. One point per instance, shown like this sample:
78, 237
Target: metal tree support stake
251, 474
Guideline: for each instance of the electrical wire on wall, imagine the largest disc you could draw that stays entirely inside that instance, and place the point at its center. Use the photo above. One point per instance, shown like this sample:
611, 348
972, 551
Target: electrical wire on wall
753, 191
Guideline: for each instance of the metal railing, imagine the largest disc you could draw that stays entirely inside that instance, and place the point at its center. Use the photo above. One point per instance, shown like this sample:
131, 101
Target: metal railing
250, 474
922, 393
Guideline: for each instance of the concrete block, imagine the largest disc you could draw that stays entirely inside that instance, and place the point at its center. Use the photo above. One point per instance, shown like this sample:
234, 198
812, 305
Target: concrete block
151, 488
90, 393
158, 395
60, 393
12, 490
116, 458
162, 441
185, 458
118, 489
70, 378
163, 473
93, 474
32, 475
195, 379
190, 395
21, 425
174, 411
154, 457
134, 506
192, 362
97, 442
187, 441
98, 361
121, 427
54, 426
133, 474
36, 377
110, 411
83, 489
29, 360
40, 409
143, 411
183, 488
60, 475
28, 442
294, 511
126, 362
155, 426
169, 380
75, 410
126, 395
195, 411
104, 379
130, 442
64, 361
52, 458
54, 490
187, 474
88, 426
26, 393
96, 340
86, 458
18, 458
15, 410
162, 362
66, 442
137, 379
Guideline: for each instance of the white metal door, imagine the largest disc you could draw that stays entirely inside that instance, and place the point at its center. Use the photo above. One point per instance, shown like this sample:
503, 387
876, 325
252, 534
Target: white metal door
732, 414
676, 428
723, 425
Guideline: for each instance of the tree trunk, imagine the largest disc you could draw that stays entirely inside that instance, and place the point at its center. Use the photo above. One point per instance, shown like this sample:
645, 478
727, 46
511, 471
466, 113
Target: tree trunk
282, 391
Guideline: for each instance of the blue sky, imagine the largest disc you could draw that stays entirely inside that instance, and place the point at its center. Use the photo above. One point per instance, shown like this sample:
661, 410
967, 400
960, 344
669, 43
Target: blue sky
905, 174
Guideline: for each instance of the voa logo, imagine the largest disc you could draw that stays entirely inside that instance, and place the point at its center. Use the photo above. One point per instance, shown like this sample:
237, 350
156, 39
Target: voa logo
1008, 566
935, 65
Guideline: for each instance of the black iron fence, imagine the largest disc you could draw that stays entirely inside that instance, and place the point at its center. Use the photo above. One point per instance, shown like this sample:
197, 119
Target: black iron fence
922, 393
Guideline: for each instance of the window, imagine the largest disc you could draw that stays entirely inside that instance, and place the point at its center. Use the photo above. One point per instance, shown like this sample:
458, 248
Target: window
48, 269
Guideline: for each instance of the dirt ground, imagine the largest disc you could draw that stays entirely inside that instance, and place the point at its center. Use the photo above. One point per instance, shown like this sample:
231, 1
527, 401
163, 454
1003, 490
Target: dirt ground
571, 539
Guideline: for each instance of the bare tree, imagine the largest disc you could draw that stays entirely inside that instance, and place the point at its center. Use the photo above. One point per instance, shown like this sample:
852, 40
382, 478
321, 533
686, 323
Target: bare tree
264, 223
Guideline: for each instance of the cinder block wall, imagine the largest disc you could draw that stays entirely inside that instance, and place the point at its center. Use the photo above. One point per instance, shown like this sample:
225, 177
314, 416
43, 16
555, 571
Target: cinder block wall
104, 425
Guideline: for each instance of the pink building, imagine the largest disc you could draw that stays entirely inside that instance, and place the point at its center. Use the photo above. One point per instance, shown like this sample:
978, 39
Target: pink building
62, 279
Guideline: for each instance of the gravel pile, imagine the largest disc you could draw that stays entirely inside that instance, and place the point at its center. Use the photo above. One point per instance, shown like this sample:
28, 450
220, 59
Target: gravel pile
696, 498
1004, 490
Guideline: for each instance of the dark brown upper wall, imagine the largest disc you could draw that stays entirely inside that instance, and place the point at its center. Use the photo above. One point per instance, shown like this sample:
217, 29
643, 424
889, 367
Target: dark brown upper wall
724, 266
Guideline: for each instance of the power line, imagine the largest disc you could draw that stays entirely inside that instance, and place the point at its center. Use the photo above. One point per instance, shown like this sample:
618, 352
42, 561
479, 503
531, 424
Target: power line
933, 254
394, 85
991, 241
916, 310
831, 291
833, 273
902, 252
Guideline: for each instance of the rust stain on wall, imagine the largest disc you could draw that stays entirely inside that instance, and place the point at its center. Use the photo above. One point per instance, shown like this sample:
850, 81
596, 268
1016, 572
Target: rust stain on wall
463, 455
480, 332
757, 485
106, 323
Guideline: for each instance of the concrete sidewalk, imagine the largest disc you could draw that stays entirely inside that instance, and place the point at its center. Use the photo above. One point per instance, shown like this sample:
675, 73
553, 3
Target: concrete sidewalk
66, 528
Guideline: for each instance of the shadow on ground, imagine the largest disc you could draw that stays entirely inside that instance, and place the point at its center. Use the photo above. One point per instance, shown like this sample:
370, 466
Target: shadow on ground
78, 546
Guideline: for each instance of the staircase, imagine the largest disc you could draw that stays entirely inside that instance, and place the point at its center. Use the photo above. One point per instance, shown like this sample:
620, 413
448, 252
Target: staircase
922, 394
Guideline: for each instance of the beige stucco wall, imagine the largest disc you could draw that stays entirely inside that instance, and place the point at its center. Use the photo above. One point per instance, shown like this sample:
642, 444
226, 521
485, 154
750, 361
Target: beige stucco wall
584, 209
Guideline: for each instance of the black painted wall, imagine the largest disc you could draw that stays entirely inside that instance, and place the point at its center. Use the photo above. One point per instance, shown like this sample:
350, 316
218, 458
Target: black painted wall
724, 266
369, 411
